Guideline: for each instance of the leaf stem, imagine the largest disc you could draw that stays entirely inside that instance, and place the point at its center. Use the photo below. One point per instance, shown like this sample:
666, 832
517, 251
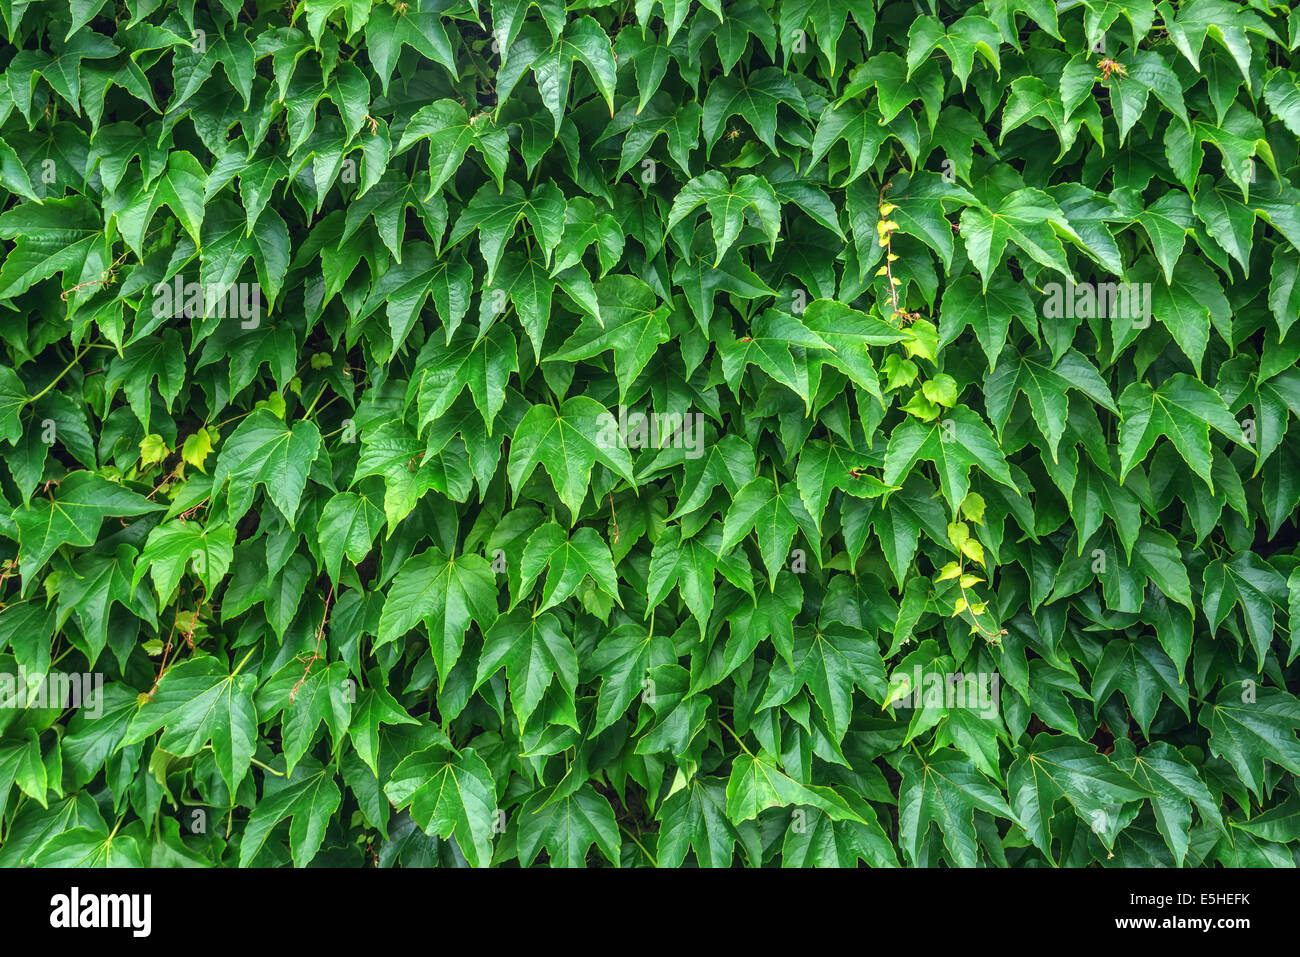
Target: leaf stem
650, 857
68, 368
242, 663
267, 768
731, 732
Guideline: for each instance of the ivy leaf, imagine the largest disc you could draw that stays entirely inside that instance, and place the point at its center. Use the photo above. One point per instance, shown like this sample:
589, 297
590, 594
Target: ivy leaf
447, 593
826, 466
1174, 781
200, 702
1055, 768
568, 562
72, 516
1250, 728
1248, 581
532, 649
21, 764
1143, 671
568, 441
93, 585
568, 827
774, 515
828, 18
955, 445
1045, 385
960, 41
387, 31
945, 790
552, 65
409, 469
374, 707
857, 127
632, 324
727, 204
174, 546
987, 311
689, 565
180, 188
1188, 306
824, 842
451, 132
754, 97
348, 526
1027, 218
757, 783
526, 283
1167, 222
305, 697
156, 365
694, 818
264, 450
829, 661
13, 399
481, 364
309, 800
493, 213
451, 795
83, 847
777, 346
850, 333
1181, 409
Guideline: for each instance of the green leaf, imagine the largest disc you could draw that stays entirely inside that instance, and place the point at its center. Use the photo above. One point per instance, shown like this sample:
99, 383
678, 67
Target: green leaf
482, 364
755, 98
1252, 727
348, 525
1183, 410
728, 204
829, 662
568, 827
494, 212
1176, 786
532, 649
199, 702
694, 819
309, 800
567, 441
960, 41
1248, 581
632, 324
944, 790
447, 593
72, 515
175, 546
449, 794
568, 562
778, 345
83, 847
264, 450
180, 188
826, 466
955, 444
1026, 218
1055, 768
773, 514
987, 311
758, 783
451, 132
1144, 673
1045, 384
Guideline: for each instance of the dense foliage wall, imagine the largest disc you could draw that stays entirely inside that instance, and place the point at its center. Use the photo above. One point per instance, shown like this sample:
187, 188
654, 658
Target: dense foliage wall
734, 432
